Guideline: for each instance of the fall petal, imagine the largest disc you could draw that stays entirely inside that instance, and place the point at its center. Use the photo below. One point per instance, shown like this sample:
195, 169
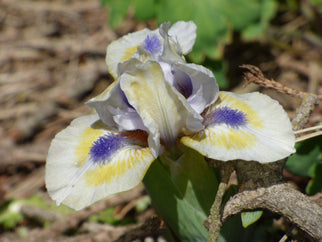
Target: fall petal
248, 126
88, 162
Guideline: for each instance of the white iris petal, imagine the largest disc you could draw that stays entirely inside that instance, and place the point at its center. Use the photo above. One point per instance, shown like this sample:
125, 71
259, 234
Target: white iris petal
158, 92
188, 89
164, 111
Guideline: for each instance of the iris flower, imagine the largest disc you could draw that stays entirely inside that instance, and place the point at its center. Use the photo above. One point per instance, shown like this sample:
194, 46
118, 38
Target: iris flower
157, 103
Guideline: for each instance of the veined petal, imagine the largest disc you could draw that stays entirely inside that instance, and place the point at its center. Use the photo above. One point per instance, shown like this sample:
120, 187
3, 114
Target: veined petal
87, 162
248, 126
123, 49
205, 89
164, 111
185, 34
115, 111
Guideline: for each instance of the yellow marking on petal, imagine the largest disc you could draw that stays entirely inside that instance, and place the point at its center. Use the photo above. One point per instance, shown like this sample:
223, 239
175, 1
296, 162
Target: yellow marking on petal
121, 163
231, 139
87, 138
128, 53
234, 139
251, 115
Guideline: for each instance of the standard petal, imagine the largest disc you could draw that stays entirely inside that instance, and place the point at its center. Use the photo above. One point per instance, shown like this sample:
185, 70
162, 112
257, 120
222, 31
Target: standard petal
181, 39
123, 49
172, 51
87, 162
205, 89
164, 111
248, 126
185, 34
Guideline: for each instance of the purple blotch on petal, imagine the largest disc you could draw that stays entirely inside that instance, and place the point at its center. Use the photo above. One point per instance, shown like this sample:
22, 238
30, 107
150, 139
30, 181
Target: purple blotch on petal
124, 98
152, 44
182, 82
225, 115
105, 146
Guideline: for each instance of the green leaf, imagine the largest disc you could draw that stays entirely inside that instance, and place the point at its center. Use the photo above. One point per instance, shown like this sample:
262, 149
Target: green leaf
182, 191
307, 162
237, 12
117, 11
144, 9
10, 214
232, 230
10, 220
317, 5
107, 216
213, 30
143, 204
219, 68
216, 21
308, 154
316, 2
38, 201
315, 185
250, 217
311, 9
268, 9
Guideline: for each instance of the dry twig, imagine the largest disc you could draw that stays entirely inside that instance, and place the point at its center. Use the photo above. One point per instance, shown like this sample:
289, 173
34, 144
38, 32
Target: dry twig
255, 75
282, 199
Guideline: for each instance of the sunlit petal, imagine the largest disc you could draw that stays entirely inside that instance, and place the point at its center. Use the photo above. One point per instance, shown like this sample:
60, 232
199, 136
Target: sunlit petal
177, 78
248, 126
87, 162
164, 111
114, 110
204, 86
170, 43
172, 51
123, 49
185, 35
